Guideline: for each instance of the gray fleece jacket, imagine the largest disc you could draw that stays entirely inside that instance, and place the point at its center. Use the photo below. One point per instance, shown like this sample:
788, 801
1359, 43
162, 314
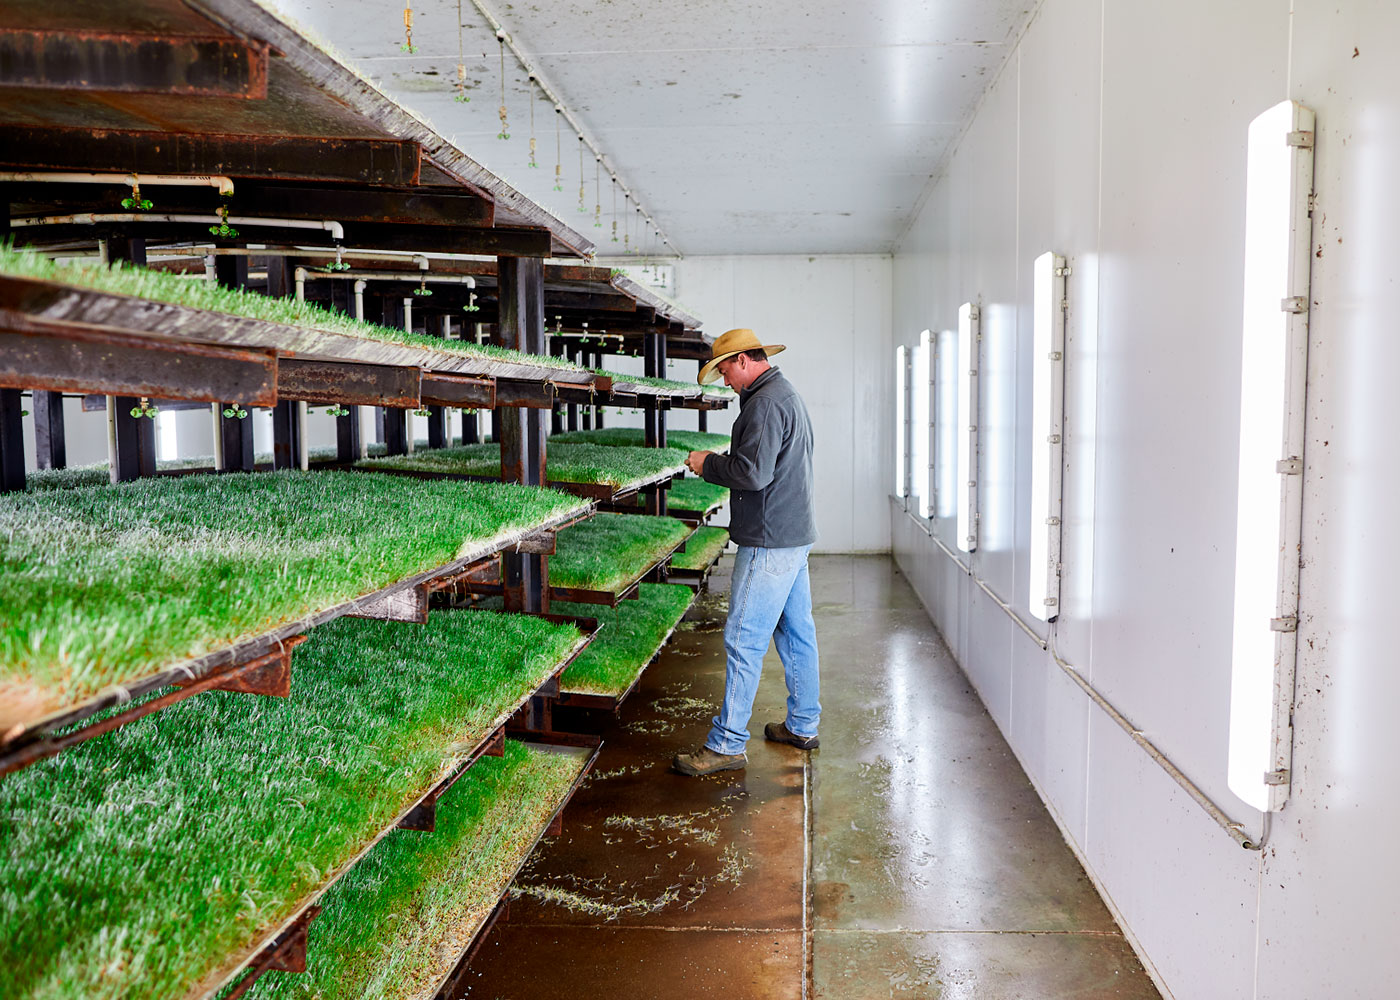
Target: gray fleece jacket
769, 467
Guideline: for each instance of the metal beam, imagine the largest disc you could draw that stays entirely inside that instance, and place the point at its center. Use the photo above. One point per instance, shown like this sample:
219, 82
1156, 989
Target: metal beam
441, 389
360, 204
368, 161
328, 382
61, 358
197, 66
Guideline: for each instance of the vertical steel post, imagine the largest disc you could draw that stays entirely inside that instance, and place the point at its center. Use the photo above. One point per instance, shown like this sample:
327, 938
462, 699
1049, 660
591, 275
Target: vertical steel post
597, 362
235, 435
702, 419
50, 442
437, 415
133, 439
654, 358
289, 417
521, 431
11, 442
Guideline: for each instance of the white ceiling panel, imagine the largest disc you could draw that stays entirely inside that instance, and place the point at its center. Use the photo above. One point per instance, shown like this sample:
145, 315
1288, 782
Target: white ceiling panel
782, 128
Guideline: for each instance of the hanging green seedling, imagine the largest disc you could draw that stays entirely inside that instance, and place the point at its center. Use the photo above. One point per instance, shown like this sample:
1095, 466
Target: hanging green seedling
336, 411
223, 230
235, 412
422, 288
144, 409
422, 411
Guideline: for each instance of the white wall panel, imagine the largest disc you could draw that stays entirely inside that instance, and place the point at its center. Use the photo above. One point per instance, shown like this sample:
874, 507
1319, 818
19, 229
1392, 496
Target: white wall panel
834, 315
1127, 138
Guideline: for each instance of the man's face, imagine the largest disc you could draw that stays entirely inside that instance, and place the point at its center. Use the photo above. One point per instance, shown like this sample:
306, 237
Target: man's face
733, 371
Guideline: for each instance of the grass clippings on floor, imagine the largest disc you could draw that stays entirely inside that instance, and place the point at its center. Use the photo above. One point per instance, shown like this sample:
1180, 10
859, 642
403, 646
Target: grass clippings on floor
631, 634
635, 437
701, 549
609, 551
107, 584
138, 864
158, 286
619, 468
397, 923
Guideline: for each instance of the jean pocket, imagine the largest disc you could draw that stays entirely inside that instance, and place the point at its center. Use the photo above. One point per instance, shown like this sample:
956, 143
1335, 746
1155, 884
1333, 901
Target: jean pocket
780, 562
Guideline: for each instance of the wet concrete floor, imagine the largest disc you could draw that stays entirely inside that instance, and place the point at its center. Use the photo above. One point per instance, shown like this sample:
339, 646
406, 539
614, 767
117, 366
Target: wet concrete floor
908, 857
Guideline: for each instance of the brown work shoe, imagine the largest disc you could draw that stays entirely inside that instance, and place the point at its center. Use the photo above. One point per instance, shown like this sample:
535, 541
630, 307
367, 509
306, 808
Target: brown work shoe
706, 761
778, 732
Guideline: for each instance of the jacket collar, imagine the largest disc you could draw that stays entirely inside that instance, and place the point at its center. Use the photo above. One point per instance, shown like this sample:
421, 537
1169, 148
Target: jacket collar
757, 384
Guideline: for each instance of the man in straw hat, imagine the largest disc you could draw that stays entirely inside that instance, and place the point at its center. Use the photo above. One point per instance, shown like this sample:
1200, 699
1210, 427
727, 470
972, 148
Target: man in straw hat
769, 472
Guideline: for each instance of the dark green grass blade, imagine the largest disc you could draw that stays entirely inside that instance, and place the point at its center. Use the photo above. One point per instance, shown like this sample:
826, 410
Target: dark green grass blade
394, 926
619, 468
635, 437
137, 864
105, 584
609, 551
632, 633
701, 548
692, 495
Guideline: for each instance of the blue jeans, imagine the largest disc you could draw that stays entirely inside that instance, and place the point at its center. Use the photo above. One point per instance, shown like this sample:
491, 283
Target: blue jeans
770, 597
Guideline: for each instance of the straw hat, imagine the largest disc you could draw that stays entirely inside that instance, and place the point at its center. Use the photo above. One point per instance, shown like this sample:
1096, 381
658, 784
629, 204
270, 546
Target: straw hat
730, 343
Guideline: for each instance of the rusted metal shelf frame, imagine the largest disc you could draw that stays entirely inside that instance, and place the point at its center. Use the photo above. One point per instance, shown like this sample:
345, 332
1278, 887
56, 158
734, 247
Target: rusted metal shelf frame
612, 599
275, 946
228, 665
450, 987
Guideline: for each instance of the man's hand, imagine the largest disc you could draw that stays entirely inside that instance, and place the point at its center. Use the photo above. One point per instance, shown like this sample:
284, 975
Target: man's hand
695, 461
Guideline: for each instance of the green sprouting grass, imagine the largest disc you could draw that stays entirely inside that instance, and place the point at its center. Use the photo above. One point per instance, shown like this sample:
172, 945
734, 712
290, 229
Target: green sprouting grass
701, 548
619, 468
635, 437
632, 633
397, 923
105, 584
692, 495
145, 862
609, 551
159, 286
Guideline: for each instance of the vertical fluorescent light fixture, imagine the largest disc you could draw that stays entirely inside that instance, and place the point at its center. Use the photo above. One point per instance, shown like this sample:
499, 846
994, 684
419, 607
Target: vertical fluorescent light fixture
1047, 433
1273, 382
901, 428
969, 335
945, 425
921, 427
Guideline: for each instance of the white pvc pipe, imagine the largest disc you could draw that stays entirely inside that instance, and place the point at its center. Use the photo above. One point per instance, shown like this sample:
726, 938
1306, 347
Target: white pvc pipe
421, 261
430, 278
299, 275
224, 185
96, 218
359, 298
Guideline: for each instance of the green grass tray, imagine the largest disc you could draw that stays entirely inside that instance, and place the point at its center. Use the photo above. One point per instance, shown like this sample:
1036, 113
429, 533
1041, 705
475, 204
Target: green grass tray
631, 634
609, 552
615, 469
394, 927
701, 549
107, 585
156, 860
635, 437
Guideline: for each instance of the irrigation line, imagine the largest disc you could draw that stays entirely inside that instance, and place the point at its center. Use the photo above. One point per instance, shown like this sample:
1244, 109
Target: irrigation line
1234, 828
533, 71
